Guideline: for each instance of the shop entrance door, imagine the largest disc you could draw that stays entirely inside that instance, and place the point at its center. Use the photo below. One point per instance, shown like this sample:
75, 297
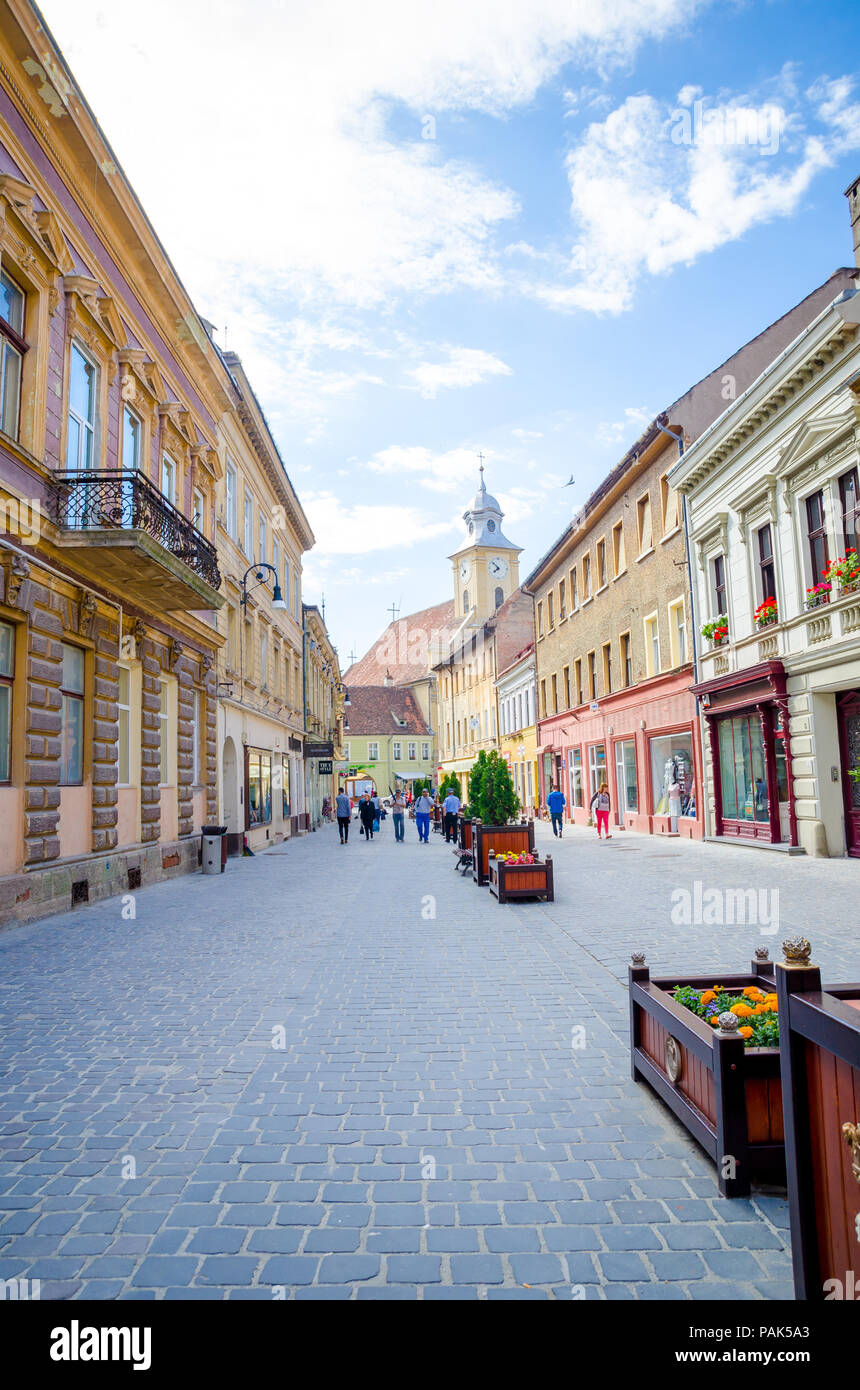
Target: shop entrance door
848, 706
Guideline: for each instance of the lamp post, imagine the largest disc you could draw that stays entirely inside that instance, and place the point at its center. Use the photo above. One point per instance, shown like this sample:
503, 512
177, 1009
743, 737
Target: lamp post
259, 573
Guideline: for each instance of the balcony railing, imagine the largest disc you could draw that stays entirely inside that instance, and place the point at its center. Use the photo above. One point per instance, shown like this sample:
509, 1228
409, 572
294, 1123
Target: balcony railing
113, 499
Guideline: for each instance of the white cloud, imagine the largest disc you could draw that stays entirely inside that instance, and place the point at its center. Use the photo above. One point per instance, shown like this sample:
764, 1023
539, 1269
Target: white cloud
360, 529
652, 189
463, 367
628, 427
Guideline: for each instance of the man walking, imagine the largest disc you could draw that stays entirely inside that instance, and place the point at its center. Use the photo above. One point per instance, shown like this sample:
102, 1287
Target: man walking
556, 803
398, 807
422, 816
344, 811
451, 806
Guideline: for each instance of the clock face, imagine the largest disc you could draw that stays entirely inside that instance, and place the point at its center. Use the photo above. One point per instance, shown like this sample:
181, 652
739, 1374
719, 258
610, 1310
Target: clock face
498, 566
465, 571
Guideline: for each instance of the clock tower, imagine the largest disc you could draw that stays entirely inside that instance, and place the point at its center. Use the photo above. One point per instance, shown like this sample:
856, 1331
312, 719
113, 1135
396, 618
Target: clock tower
486, 565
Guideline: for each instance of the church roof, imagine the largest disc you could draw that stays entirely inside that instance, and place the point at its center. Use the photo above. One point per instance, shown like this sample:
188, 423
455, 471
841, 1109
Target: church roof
407, 649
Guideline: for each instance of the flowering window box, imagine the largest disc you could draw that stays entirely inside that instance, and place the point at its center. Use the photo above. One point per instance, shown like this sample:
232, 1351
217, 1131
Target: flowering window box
817, 596
508, 881
726, 1093
766, 614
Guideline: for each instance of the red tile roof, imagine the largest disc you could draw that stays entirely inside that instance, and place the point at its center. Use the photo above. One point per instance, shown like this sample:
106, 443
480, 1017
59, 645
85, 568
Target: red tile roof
407, 648
374, 711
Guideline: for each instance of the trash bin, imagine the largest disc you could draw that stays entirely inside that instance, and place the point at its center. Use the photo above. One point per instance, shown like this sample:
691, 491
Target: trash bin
214, 838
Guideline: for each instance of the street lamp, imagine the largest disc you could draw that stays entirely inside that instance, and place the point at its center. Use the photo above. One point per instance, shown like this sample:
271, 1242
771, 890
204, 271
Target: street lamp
259, 573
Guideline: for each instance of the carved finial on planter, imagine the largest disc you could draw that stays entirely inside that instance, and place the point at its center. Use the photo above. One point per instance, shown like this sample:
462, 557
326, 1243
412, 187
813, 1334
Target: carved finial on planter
762, 953
728, 1022
796, 950
86, 615
175, 648
637, 958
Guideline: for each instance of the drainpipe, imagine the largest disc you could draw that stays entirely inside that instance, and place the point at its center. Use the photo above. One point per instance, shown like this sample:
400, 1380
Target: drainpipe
704, 738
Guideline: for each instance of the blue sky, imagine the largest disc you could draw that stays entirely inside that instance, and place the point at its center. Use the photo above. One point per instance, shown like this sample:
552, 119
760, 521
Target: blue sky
434, 229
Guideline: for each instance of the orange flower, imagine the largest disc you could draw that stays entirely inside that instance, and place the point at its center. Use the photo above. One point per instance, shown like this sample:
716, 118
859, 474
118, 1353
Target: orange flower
745, 1032
752, 992
742, 1010
714, 1022
707, 996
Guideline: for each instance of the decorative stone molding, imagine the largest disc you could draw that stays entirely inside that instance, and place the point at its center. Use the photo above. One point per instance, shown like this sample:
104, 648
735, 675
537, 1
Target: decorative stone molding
713, 535
138, 631
819, 629
18, 582
175, 650
759, 501
86, 614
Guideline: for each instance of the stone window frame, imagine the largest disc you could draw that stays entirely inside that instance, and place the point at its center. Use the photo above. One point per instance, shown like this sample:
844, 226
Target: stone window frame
606, 653
84, 698
710, 541
755, 508
641, 501
618, 534
94, 327
600, 563
667, 492
626, 656
33, 250
397, 750
652, 668
672, 607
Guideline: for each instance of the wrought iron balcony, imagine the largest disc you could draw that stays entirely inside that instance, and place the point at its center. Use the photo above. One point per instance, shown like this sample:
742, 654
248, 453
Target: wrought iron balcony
137, 538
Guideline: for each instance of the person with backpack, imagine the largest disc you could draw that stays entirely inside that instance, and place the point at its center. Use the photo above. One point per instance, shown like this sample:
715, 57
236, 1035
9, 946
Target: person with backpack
556, 802
601, 804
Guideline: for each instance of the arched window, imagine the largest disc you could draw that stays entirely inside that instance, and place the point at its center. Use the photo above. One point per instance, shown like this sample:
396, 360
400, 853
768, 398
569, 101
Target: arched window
465, 600
500, 597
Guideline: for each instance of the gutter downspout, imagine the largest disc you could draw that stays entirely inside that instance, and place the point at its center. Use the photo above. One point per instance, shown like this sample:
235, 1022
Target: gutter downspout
694, 634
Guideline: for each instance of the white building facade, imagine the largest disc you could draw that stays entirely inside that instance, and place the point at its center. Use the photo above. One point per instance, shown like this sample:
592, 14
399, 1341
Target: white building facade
772, 495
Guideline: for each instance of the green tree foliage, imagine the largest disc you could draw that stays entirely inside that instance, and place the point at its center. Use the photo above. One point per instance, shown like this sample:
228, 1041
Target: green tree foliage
476, 780
495, 802
450, 783
421, 784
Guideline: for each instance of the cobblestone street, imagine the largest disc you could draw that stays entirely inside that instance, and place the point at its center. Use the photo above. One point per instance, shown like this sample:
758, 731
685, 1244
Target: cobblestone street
426, 1130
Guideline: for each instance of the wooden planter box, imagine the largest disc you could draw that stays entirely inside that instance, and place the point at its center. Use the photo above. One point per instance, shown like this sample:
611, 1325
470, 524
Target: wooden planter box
508, 837
464, 834
727, 1095
820, 1051
507, 882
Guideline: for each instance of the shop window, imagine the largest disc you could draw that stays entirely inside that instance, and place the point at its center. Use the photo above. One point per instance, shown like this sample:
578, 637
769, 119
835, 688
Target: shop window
285, 785
577, 797
259, 788
766, 567
72, 733
596, 767
627, 790
743, 777
7, 677
816, 532
13, 345
672, 778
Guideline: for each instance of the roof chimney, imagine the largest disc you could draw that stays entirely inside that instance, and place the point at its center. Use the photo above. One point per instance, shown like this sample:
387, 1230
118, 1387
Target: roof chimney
852, 193
389, 679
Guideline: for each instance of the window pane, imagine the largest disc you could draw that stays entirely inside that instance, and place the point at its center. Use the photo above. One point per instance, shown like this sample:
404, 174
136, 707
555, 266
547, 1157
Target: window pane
12, 304
73, 669
7, 649
5, 732
11, 388
73, 443
72, 739
130, 440
82, 379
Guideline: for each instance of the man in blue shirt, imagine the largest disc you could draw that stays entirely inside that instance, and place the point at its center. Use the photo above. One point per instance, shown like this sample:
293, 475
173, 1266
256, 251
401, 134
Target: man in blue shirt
451, 806
556, 803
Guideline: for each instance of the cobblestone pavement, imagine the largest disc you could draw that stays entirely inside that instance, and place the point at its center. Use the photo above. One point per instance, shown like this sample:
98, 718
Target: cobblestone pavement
426, 1130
